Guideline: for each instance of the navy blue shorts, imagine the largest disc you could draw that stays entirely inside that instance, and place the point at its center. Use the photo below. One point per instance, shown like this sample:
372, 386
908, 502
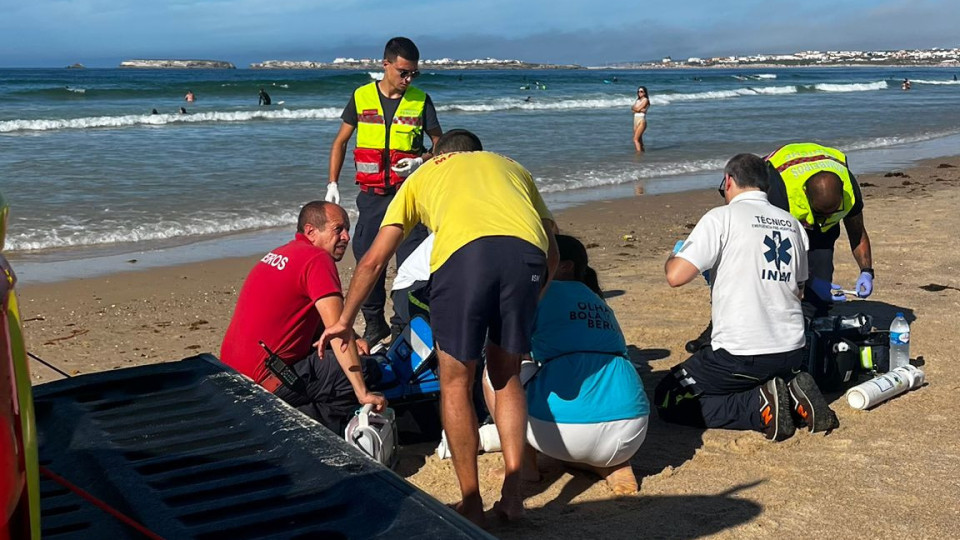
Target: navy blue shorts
488, 288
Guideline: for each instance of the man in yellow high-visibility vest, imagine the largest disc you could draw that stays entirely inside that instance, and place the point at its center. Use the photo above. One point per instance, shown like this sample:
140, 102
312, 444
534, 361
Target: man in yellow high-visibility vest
814, 184
390, 117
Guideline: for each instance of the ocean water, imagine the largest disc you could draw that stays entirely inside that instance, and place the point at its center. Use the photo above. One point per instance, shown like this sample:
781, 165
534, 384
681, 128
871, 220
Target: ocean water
89, 172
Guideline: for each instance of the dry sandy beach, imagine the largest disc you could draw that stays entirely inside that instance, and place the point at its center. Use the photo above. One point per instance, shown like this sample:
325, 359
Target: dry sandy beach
891, 472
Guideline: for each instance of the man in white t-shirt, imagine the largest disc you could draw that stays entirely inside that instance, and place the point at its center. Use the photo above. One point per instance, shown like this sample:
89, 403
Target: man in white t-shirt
413, 276
756, 255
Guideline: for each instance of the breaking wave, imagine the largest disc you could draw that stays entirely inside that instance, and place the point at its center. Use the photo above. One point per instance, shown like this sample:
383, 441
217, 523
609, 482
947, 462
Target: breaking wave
851, 87
10, 126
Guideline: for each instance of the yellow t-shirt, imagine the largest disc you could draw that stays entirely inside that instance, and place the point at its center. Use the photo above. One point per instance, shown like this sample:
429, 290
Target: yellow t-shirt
463, 196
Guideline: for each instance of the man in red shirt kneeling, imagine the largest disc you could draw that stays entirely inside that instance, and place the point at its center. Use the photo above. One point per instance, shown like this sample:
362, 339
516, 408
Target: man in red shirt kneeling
287, 300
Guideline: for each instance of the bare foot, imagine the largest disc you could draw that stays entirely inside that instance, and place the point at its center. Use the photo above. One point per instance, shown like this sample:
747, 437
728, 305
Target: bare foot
474, 513
509, 510
620, 478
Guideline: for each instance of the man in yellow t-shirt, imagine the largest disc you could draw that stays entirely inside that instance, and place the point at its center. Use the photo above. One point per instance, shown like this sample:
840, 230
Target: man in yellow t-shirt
493, 254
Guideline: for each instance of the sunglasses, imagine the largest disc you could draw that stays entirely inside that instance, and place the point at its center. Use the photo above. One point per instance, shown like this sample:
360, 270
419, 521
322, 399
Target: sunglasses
407, 74
821, 219
723, 185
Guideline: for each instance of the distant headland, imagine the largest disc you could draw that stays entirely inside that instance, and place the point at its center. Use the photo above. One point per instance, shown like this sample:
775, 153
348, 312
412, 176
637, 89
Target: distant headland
177, 64
443, 63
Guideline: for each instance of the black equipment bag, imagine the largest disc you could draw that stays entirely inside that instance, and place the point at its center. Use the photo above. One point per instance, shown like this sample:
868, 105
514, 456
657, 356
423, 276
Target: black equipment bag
839, 347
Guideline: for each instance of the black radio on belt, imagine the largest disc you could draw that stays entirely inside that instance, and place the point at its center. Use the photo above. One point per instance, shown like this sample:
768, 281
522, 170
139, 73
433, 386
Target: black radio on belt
280, 369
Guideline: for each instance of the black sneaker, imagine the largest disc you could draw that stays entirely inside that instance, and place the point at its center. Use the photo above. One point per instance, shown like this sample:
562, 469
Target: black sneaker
775, 410
808, 406
375, 330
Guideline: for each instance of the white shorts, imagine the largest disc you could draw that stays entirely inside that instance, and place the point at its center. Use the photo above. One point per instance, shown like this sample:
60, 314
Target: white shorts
638, 118
603, 444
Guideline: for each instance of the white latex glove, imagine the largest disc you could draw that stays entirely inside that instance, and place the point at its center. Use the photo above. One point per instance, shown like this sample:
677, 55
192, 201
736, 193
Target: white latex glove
333, 193
406, 166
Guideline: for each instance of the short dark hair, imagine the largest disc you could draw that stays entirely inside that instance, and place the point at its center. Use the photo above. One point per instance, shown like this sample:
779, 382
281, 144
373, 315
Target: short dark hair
458, 140
402, 47
314, 213
574, 251
748, 171
824, 191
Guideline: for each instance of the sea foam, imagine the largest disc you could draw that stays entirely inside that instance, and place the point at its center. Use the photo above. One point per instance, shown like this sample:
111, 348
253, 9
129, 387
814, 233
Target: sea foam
923, 81
596, 178
10, 126
118, 231
880, 142
852, 87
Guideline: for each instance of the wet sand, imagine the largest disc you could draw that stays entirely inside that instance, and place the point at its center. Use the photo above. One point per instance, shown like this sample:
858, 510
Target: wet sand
892, 471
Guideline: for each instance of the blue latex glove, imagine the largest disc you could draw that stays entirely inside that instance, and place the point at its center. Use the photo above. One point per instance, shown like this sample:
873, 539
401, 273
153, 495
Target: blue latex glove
824, 289
864, 285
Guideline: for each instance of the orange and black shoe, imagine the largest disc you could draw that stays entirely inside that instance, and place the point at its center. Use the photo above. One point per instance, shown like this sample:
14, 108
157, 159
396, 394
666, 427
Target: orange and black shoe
808, 406
775, 410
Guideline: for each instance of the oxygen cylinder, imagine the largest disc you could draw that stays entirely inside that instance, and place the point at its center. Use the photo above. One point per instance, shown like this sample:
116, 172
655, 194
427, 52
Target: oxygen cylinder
884, 387
489, 441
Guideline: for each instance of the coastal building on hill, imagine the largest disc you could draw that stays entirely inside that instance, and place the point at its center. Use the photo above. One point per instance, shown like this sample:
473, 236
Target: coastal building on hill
177, 64
910, 57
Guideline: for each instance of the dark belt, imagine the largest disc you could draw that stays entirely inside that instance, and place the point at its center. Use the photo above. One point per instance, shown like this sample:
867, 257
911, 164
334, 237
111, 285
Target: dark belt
379, 190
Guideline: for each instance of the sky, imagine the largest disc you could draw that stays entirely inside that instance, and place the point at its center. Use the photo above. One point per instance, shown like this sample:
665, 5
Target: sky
102, 33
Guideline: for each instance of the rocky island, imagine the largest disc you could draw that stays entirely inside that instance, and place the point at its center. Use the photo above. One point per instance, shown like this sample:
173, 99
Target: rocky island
442, 63
177, 64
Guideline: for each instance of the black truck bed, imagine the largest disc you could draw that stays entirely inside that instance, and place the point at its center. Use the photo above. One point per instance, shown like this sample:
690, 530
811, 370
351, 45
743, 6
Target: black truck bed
191, 449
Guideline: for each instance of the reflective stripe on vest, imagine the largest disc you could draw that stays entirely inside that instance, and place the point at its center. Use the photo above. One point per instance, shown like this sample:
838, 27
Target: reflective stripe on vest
368, 168
796, 163
405, 130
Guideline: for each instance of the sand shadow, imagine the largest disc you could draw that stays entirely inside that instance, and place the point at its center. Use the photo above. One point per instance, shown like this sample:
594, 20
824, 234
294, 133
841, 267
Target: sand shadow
641, 358
667, 445
413, 457
613, 293
656, 516
418, 430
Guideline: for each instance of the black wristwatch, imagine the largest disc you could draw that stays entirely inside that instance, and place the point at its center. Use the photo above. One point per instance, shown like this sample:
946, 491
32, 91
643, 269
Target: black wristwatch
869, 271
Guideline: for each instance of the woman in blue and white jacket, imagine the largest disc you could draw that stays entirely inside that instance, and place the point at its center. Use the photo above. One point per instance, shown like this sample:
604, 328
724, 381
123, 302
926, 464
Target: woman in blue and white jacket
586, 403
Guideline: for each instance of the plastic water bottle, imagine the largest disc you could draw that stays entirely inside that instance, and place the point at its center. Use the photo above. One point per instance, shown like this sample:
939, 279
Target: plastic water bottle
899, 342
